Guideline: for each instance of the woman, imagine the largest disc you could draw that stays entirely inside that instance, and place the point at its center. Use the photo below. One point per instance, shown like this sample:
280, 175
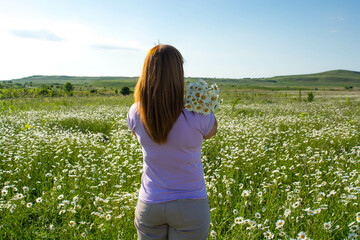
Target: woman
173, 202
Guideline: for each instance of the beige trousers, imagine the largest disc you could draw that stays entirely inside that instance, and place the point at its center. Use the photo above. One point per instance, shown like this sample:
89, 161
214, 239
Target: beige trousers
178, 219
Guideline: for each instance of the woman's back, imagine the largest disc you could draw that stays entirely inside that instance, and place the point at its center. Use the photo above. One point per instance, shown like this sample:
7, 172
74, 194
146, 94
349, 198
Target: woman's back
173, 170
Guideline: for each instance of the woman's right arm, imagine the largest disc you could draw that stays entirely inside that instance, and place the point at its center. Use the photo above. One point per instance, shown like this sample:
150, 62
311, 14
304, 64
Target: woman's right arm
213, 131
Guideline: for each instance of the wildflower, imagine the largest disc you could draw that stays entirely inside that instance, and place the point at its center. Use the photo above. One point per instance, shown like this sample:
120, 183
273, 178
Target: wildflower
4, 192
29, 205
257, 215
302, 235
239, 220
279, 224
213, 234
200, 98
51, 227
316, 211
296, 204
268, 235
352, 197
39, 200
260, 226
72, 223
354, 228
83, 234
327, 225
352, 236
108, 217
245, 193
358, 217
287, 213
60, 196
235, 211
310, 212
18, 196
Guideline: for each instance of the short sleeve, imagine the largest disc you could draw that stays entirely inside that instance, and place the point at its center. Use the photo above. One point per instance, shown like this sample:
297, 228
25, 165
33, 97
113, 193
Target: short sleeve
207, 123
203, 123
131, 117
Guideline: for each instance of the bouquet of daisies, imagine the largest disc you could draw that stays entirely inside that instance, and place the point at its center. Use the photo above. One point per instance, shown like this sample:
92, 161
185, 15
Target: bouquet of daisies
201, 98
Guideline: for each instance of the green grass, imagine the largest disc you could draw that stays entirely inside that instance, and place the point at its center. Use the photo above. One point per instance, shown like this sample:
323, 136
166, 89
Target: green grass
78, 168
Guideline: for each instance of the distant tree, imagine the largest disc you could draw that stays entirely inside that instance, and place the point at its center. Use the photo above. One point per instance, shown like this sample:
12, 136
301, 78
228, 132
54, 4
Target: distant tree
42, 91
68, 87
125, 91
116, 91
310, 97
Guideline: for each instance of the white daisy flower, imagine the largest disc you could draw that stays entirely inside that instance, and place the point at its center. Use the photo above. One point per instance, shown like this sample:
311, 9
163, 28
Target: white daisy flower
327, 225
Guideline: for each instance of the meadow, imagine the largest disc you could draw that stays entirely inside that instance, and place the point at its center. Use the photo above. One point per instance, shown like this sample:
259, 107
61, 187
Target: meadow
280, 167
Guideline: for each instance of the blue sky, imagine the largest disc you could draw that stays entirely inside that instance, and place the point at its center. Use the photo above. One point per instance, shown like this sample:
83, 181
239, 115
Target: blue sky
230, 39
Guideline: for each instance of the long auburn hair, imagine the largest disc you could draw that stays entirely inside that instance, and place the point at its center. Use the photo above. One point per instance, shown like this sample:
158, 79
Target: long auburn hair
159, 91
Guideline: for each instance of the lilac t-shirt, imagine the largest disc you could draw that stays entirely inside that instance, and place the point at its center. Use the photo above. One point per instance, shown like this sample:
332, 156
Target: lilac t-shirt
173, 170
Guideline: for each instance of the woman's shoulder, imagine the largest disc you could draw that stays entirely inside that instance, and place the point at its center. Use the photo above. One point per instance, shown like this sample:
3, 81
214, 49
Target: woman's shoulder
202, 122
134, 108
133, 112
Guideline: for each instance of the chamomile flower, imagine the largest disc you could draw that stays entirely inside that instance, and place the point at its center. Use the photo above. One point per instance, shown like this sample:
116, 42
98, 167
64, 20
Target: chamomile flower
279, 224
268, 235
4, 192
327, 225
72, 223
200, 98
358, 217
302, 235
239, 220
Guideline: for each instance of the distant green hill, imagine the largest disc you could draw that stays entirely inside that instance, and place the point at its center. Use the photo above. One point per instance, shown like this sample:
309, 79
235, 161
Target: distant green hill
75, 80
329, 79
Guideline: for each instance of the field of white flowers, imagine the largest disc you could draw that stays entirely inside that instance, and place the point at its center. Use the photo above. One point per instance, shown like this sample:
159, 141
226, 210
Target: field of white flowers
276, 169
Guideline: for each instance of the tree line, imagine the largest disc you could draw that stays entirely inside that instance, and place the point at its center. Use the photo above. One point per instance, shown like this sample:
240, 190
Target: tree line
18, 90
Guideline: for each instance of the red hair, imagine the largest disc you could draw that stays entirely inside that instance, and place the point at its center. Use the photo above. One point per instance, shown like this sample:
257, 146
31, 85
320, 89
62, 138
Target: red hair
160, 91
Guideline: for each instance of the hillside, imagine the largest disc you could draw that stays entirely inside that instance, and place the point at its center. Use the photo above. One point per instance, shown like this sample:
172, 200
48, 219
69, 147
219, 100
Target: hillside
329, 79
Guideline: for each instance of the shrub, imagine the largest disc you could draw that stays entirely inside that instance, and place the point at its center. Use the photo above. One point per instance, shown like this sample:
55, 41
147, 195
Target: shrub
125, 91
68, 87
310, 97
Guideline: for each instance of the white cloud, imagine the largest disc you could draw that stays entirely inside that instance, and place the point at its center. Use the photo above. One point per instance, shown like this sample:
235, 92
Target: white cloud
42, 34
47, 47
